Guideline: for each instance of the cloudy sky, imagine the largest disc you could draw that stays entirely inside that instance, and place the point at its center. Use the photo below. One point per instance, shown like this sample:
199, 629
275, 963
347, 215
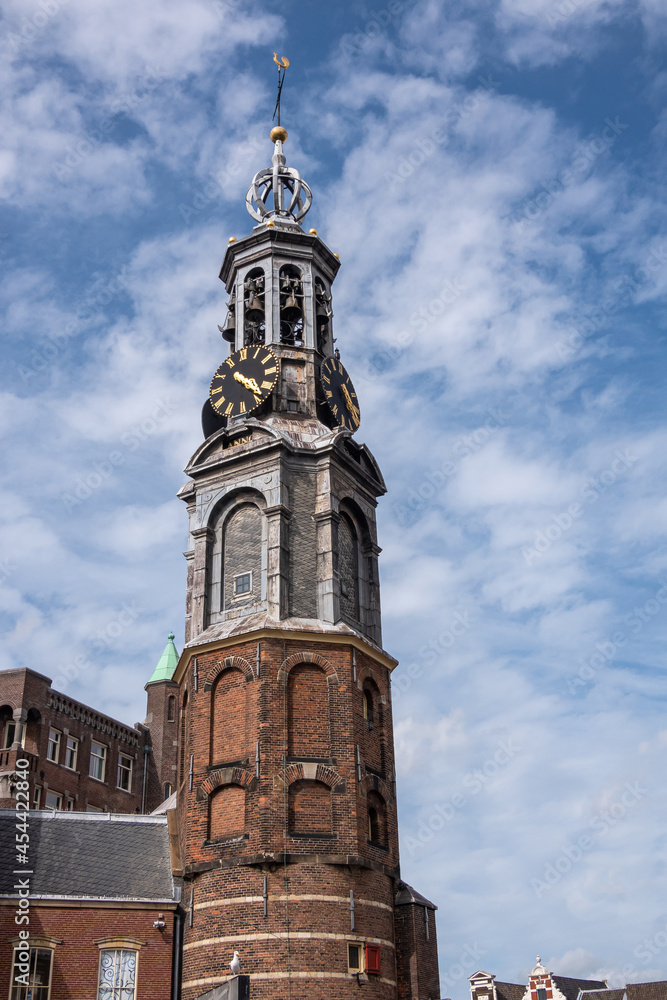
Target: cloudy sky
491, 173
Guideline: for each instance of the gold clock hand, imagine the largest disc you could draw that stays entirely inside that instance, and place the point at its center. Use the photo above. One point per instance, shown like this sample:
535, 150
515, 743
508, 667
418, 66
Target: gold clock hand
248, 383
352, 408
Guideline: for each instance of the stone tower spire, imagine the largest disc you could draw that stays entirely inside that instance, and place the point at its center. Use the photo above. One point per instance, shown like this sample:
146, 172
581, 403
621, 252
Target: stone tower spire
286, 781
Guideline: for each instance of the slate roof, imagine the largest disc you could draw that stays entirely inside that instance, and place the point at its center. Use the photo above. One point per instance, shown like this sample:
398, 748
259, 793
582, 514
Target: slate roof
571, 988
77, 855
510, 991
647, 991
618, 994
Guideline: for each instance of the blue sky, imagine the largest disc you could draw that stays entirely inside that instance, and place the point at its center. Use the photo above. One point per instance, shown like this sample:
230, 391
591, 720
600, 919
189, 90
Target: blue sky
491, 174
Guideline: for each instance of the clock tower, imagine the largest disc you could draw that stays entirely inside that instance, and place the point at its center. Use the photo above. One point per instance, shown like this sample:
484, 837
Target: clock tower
286, 781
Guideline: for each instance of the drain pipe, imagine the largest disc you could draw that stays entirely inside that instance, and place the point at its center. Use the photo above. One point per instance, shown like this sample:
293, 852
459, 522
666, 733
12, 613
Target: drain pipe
176, 963
147, 750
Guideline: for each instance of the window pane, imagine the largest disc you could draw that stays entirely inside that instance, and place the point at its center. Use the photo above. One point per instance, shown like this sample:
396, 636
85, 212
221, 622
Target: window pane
54, 745
117, 974
98, 753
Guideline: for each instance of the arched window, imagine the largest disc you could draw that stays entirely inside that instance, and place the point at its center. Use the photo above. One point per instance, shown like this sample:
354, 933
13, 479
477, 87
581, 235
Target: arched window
167, 790
348, 568
226, 812
368, 707
171, 708
377, 820
228, 718
291, 306
254, 317
308, 712
309, 808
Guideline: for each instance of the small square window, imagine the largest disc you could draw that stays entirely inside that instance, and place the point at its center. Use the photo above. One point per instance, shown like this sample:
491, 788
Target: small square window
98, 760
243, 584
53, 749
355, 957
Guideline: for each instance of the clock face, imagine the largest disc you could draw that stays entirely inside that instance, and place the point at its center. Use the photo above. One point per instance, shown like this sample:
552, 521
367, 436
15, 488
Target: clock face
339, 394
243, 381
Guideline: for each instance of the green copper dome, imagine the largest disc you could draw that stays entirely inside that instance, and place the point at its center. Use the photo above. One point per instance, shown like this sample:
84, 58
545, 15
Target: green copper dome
167, 662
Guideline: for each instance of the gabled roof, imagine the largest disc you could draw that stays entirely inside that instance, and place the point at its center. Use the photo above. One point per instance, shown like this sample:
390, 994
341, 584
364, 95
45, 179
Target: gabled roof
78, 855
166, 665
602, 994
510, 991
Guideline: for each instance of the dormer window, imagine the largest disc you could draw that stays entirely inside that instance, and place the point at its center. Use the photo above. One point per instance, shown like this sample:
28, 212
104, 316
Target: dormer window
242, 584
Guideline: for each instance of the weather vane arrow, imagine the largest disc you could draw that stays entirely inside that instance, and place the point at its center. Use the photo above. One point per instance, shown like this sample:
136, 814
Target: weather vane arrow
282, 62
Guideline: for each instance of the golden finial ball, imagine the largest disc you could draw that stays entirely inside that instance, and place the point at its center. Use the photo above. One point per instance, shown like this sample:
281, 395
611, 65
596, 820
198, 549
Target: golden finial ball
232, 239
278, 133
270, 225
312, 232
336, 256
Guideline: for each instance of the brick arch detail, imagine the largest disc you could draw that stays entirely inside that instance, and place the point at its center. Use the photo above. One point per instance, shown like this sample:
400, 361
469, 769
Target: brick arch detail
306, 657
229, 663
304, 771
227, 776
371, 783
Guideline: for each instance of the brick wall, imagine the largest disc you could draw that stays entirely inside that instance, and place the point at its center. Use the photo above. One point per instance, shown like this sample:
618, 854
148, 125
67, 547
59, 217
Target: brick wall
76, 960
162, 763
416, 956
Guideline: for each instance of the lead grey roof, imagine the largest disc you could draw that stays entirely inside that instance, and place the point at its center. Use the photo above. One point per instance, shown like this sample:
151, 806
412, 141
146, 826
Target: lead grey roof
77, 855
571, 988
406, 894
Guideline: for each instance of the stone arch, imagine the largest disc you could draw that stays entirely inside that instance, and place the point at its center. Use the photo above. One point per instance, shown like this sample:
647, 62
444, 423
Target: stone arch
372, 783
226, 776
307, 771
306, 657
229, 662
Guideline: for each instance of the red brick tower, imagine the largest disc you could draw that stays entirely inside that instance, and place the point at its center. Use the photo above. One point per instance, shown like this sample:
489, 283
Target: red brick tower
286, 782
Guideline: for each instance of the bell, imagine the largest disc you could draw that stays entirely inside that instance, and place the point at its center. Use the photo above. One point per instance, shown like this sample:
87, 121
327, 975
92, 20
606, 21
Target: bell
229, 331
291, 311
254, 309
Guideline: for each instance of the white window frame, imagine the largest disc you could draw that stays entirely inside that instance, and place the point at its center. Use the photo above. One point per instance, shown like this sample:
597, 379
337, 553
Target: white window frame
57, 795
126, 769
55, 743
115, 990
98, 757
36, 796
10, 728
73, 750
354, 969
36, 992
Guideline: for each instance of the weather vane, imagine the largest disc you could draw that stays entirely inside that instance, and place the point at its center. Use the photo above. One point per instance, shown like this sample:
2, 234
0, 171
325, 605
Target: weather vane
282, 62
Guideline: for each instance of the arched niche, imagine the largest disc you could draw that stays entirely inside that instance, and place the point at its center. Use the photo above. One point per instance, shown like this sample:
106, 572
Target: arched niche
228, 717
376, 820
308, 712
236, 557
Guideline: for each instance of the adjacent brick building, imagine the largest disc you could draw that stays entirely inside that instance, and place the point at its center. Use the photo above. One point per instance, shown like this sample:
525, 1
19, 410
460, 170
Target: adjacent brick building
102, 906
80, 759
